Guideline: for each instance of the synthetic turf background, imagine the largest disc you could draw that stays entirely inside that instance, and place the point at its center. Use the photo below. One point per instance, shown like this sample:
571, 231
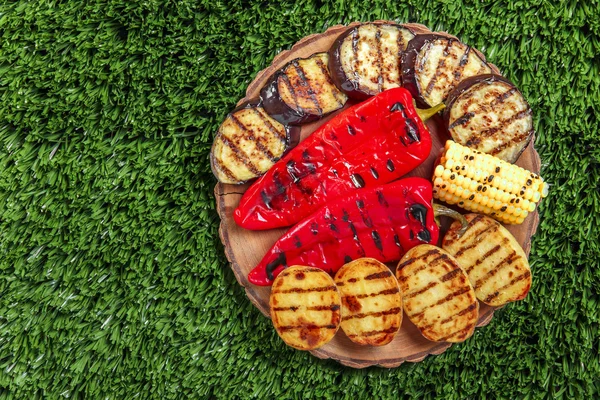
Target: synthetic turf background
113, 281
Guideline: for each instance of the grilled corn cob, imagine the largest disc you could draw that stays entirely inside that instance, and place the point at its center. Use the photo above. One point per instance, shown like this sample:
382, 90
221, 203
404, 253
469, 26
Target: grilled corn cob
485, 184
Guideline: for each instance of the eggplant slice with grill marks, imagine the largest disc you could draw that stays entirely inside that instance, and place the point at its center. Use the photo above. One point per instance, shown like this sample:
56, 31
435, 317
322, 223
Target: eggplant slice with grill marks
434, 64
302, 91
248, 143
489, 114
365, 60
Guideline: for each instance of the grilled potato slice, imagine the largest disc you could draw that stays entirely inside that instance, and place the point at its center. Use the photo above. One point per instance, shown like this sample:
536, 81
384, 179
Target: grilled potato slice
302, 91
494, 261
434, 64
371, 302
365, 60
437, 295
489, 114
248, 143
305, 307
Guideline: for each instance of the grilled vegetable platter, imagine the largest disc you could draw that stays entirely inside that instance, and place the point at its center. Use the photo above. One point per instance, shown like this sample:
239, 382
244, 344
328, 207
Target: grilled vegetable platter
336, 176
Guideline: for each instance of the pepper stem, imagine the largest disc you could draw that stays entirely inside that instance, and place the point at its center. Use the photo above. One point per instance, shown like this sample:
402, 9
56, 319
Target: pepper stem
443, 211
427, 113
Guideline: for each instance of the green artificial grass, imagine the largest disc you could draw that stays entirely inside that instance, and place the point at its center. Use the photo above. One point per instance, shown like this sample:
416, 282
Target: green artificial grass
113, 281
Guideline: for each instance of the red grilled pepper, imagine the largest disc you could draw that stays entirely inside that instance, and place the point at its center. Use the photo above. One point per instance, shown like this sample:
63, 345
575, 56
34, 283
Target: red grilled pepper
369, 144
381, 222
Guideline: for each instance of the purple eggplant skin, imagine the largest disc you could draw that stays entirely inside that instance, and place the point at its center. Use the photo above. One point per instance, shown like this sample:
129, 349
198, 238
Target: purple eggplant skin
277, 108
340, 79
465, 85
292, 138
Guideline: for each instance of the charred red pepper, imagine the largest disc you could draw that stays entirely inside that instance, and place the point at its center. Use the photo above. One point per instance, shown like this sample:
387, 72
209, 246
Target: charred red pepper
369, 144
381, 222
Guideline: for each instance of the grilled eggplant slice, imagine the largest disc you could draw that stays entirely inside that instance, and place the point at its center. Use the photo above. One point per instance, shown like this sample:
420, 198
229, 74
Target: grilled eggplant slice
495, 263
489, 114
434, 64
365, 60
437, 295
302, 91
371, 302
248, 143
305, 307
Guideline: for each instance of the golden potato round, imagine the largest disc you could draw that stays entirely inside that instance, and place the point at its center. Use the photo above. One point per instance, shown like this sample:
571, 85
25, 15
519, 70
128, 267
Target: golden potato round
437, 295
305, 307
371, 302
492, 258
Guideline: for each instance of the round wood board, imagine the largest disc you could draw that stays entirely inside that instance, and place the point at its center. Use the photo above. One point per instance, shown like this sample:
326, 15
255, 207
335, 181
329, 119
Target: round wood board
244, 249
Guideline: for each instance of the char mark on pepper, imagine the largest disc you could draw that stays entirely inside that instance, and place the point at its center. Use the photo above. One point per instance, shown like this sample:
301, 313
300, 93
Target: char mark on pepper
266, 199
374, 173
358, 181
276, 263
381, 199
390, 165
377, 240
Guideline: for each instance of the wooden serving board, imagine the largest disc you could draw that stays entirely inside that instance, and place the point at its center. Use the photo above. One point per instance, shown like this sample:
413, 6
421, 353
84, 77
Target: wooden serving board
244, 249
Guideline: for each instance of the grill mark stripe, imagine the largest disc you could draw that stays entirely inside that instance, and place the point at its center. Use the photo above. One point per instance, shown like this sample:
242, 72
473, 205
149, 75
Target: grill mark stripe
471, 225
470, 308
305, 290
516, 139
355, 39
256, 139
413, 260
332, 307
401, 48
446, 299
451, 275
336, 93
473, 238
421, 291
373, 333
305, 270
457, 75
519, 278
483, 107
395, 310
239, 157
280, 134
223, 168
378, 275
504, 123
438, 260
462, 120
505, 262
306, 84
382, 293
483, 257
379, 60
441, 64
286, 82
292, 327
